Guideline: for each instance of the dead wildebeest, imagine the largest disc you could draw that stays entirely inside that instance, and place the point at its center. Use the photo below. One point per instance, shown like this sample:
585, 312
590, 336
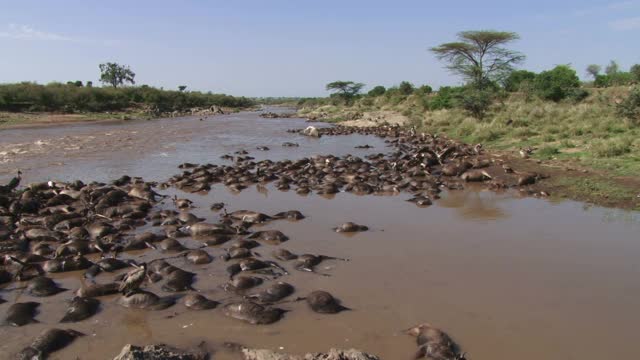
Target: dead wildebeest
434, 344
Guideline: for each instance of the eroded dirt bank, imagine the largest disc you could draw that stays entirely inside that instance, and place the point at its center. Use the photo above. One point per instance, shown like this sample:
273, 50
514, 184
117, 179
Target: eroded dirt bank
567, 273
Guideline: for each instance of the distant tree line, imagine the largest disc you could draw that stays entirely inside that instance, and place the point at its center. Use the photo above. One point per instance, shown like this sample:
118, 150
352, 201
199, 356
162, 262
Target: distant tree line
613, 76
74, 96
28, 96
488, 67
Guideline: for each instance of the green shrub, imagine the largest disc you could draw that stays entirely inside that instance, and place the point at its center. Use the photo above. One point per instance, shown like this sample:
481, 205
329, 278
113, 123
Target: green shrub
424, 90
601, 81
377, 91
578, 94
445, 98
556, 84
476, 101
514, 81
630, 107
615, 79
394, 96
405, 88
635, 71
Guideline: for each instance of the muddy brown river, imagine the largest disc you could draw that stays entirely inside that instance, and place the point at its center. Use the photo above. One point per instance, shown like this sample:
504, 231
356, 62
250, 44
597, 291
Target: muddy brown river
506, 277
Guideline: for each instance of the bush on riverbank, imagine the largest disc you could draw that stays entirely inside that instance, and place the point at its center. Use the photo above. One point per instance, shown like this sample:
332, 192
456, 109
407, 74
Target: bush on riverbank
58, 97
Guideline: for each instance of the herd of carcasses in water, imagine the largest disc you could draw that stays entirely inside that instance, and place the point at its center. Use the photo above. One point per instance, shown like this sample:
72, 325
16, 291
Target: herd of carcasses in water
58, 227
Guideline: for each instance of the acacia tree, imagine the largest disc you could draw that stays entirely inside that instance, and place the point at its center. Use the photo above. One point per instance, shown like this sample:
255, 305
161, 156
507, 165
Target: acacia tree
594, 70
480, 56
345, 89
115, 74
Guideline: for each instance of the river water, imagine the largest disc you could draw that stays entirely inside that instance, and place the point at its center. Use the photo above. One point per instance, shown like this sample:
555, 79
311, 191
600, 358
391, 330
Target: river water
506, 277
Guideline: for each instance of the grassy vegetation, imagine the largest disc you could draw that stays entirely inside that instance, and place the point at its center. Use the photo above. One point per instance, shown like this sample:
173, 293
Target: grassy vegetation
589, 132
75, 98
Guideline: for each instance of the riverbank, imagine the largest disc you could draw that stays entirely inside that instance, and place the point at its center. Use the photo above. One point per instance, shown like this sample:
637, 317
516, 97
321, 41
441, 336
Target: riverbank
593, 155
17, 120
10, 120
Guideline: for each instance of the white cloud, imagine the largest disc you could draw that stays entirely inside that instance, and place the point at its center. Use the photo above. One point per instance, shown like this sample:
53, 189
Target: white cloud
26, 32
626, 24
617, 6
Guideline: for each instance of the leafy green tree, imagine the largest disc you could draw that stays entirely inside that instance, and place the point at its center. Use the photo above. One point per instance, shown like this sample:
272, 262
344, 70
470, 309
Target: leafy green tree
615, 79
622, 78
556, 84
89, 84
377, 91
115, 75
602, 81
612, 68
630, 107
182, 88
405, 88
594, 70
345, 90
476, 101
425, 89
480, 56
446, 97
635, 71
514, 81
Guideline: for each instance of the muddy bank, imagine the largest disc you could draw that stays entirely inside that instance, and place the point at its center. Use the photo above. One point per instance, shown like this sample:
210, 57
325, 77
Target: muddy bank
568, 271
9, 120
20, 120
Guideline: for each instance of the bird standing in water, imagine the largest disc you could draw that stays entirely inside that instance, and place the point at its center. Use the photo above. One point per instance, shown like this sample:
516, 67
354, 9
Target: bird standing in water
134, 278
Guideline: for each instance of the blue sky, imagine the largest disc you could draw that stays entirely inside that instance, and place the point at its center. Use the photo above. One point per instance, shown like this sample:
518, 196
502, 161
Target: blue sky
293, 48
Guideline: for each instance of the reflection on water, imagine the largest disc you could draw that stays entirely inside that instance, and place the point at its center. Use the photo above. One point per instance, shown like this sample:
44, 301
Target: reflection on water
616, 215
474, 205
136, 322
